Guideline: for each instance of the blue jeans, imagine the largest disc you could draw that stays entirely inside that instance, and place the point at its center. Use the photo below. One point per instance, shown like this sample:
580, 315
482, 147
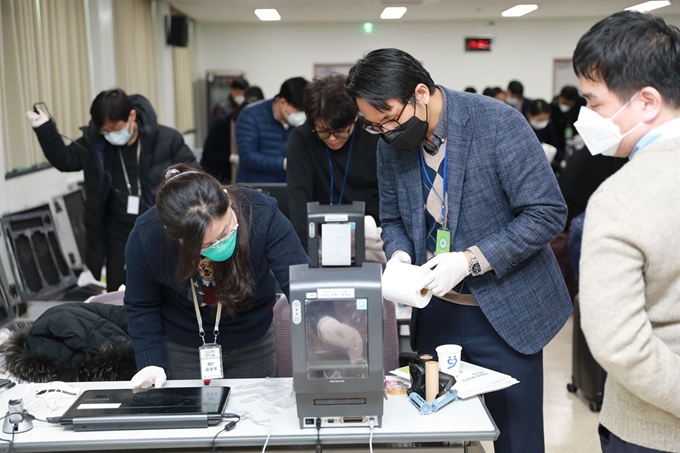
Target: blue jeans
611, 443
255, 360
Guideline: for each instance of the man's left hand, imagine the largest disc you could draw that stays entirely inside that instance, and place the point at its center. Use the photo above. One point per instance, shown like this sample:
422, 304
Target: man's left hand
448, 269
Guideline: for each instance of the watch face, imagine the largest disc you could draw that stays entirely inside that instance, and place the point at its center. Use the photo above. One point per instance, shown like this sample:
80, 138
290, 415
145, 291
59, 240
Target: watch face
476, 269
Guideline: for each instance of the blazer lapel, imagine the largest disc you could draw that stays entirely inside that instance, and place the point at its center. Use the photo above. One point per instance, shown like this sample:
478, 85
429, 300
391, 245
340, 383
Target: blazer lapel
410, 188
457, 148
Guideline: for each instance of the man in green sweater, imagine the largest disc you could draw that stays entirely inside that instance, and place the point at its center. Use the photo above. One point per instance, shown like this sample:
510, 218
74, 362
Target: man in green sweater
629, 71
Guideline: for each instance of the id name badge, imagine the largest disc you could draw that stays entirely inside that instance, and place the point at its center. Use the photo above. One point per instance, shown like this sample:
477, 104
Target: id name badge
211, 361
443, 242
133, 204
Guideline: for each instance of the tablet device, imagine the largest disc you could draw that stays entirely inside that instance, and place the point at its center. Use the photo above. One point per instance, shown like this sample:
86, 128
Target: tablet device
153, 408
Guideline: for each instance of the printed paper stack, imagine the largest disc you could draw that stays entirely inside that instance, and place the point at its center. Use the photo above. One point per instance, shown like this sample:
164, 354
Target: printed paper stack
473, 380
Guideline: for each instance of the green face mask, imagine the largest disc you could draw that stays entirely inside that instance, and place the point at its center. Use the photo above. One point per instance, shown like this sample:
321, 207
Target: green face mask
223, 249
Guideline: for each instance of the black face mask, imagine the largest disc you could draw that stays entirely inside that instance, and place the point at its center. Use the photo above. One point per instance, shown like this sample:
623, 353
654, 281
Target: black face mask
409, 134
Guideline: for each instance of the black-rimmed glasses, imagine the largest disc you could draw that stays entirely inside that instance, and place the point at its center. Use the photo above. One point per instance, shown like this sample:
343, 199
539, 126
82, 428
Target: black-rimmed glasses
341, 134
387, 125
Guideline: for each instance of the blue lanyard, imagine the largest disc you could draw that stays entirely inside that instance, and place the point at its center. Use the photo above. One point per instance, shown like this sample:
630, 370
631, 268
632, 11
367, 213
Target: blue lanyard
330, 164
442, 197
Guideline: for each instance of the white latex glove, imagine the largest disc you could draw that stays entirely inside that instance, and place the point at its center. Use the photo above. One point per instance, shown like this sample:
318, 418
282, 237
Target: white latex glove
233, 159
147, 377
335, 333
550, 151
37, 119
400, 257
374, 249
373, 241
449, 269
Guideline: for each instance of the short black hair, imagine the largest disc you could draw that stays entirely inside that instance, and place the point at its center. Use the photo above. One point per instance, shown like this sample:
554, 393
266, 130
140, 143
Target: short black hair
516, 87
253, 93
110, 105
326, 99
385, 74
470, 90
570, 93
238, 83
537, 107
630, 50
492, 91
291, 91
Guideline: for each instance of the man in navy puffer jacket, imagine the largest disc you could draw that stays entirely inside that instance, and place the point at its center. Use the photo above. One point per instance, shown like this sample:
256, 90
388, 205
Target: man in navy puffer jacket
262, 132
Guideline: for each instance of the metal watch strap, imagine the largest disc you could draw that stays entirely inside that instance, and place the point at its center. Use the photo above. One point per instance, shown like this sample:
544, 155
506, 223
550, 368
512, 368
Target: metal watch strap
474, 268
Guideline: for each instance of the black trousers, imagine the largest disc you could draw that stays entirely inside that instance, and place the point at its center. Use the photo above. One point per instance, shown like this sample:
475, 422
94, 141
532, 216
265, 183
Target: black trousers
115, 264
116, 237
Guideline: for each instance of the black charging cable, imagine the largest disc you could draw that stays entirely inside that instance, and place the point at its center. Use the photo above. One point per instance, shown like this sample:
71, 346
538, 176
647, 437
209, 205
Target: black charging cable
74, 142
10, 448
231, 424
318, 436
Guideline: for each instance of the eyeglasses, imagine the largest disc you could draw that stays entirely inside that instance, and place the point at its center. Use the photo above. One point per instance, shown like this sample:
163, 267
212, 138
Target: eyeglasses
229, 234
387, 125
341, 134
323, 135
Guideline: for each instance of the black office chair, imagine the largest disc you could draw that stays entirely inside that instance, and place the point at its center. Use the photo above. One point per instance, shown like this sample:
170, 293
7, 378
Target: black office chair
276, 190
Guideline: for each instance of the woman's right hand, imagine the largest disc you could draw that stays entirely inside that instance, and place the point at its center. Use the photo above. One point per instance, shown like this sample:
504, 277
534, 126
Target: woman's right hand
37, 119
149, 376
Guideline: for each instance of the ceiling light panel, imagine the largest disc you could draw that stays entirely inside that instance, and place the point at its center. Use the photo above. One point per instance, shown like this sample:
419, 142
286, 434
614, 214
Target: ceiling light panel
648, 6
393, 12
519, 10
267, 14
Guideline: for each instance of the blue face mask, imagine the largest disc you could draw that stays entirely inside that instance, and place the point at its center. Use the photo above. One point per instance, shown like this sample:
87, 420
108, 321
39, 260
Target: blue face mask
223, 249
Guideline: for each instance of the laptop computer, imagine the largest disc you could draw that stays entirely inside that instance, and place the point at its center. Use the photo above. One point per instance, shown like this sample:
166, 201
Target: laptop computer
154, 408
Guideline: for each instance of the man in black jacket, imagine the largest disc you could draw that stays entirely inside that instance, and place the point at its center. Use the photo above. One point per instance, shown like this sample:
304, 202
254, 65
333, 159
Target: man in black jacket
123, 153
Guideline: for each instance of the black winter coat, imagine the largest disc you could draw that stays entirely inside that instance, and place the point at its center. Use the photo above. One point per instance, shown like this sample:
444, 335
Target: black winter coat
161, 147
72, 342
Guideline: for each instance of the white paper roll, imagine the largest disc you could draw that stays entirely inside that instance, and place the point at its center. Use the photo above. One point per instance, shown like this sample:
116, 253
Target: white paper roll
402, 283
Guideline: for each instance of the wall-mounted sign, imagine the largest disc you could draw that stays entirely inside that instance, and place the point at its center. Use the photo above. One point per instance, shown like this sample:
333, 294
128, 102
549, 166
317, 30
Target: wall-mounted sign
478, 44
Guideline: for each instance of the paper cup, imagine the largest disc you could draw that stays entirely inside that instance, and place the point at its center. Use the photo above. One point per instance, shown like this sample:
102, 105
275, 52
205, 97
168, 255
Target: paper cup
449, 358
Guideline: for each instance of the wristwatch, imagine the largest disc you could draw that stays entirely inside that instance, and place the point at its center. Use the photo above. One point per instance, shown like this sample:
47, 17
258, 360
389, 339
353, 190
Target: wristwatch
474, 267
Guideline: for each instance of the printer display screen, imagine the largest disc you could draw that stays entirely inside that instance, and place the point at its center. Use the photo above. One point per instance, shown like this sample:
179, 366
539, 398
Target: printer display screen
337, 338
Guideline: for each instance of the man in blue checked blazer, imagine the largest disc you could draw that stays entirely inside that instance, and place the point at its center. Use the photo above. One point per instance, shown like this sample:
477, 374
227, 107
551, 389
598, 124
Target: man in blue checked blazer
466, 191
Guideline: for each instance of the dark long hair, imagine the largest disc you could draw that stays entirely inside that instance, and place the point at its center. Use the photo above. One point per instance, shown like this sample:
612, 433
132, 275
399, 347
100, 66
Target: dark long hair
186, 204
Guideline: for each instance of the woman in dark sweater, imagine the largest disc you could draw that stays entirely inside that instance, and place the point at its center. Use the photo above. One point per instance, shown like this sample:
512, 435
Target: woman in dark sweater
210, 251
331, 158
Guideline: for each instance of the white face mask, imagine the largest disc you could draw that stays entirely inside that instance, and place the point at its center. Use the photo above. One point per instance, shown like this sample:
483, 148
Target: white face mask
600, 134
538, 125
297, 119
513, 101
119, 138
239, 99
564, 108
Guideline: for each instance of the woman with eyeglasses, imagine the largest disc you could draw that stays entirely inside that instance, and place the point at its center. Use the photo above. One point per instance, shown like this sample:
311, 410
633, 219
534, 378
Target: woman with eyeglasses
332, 158
201, 269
